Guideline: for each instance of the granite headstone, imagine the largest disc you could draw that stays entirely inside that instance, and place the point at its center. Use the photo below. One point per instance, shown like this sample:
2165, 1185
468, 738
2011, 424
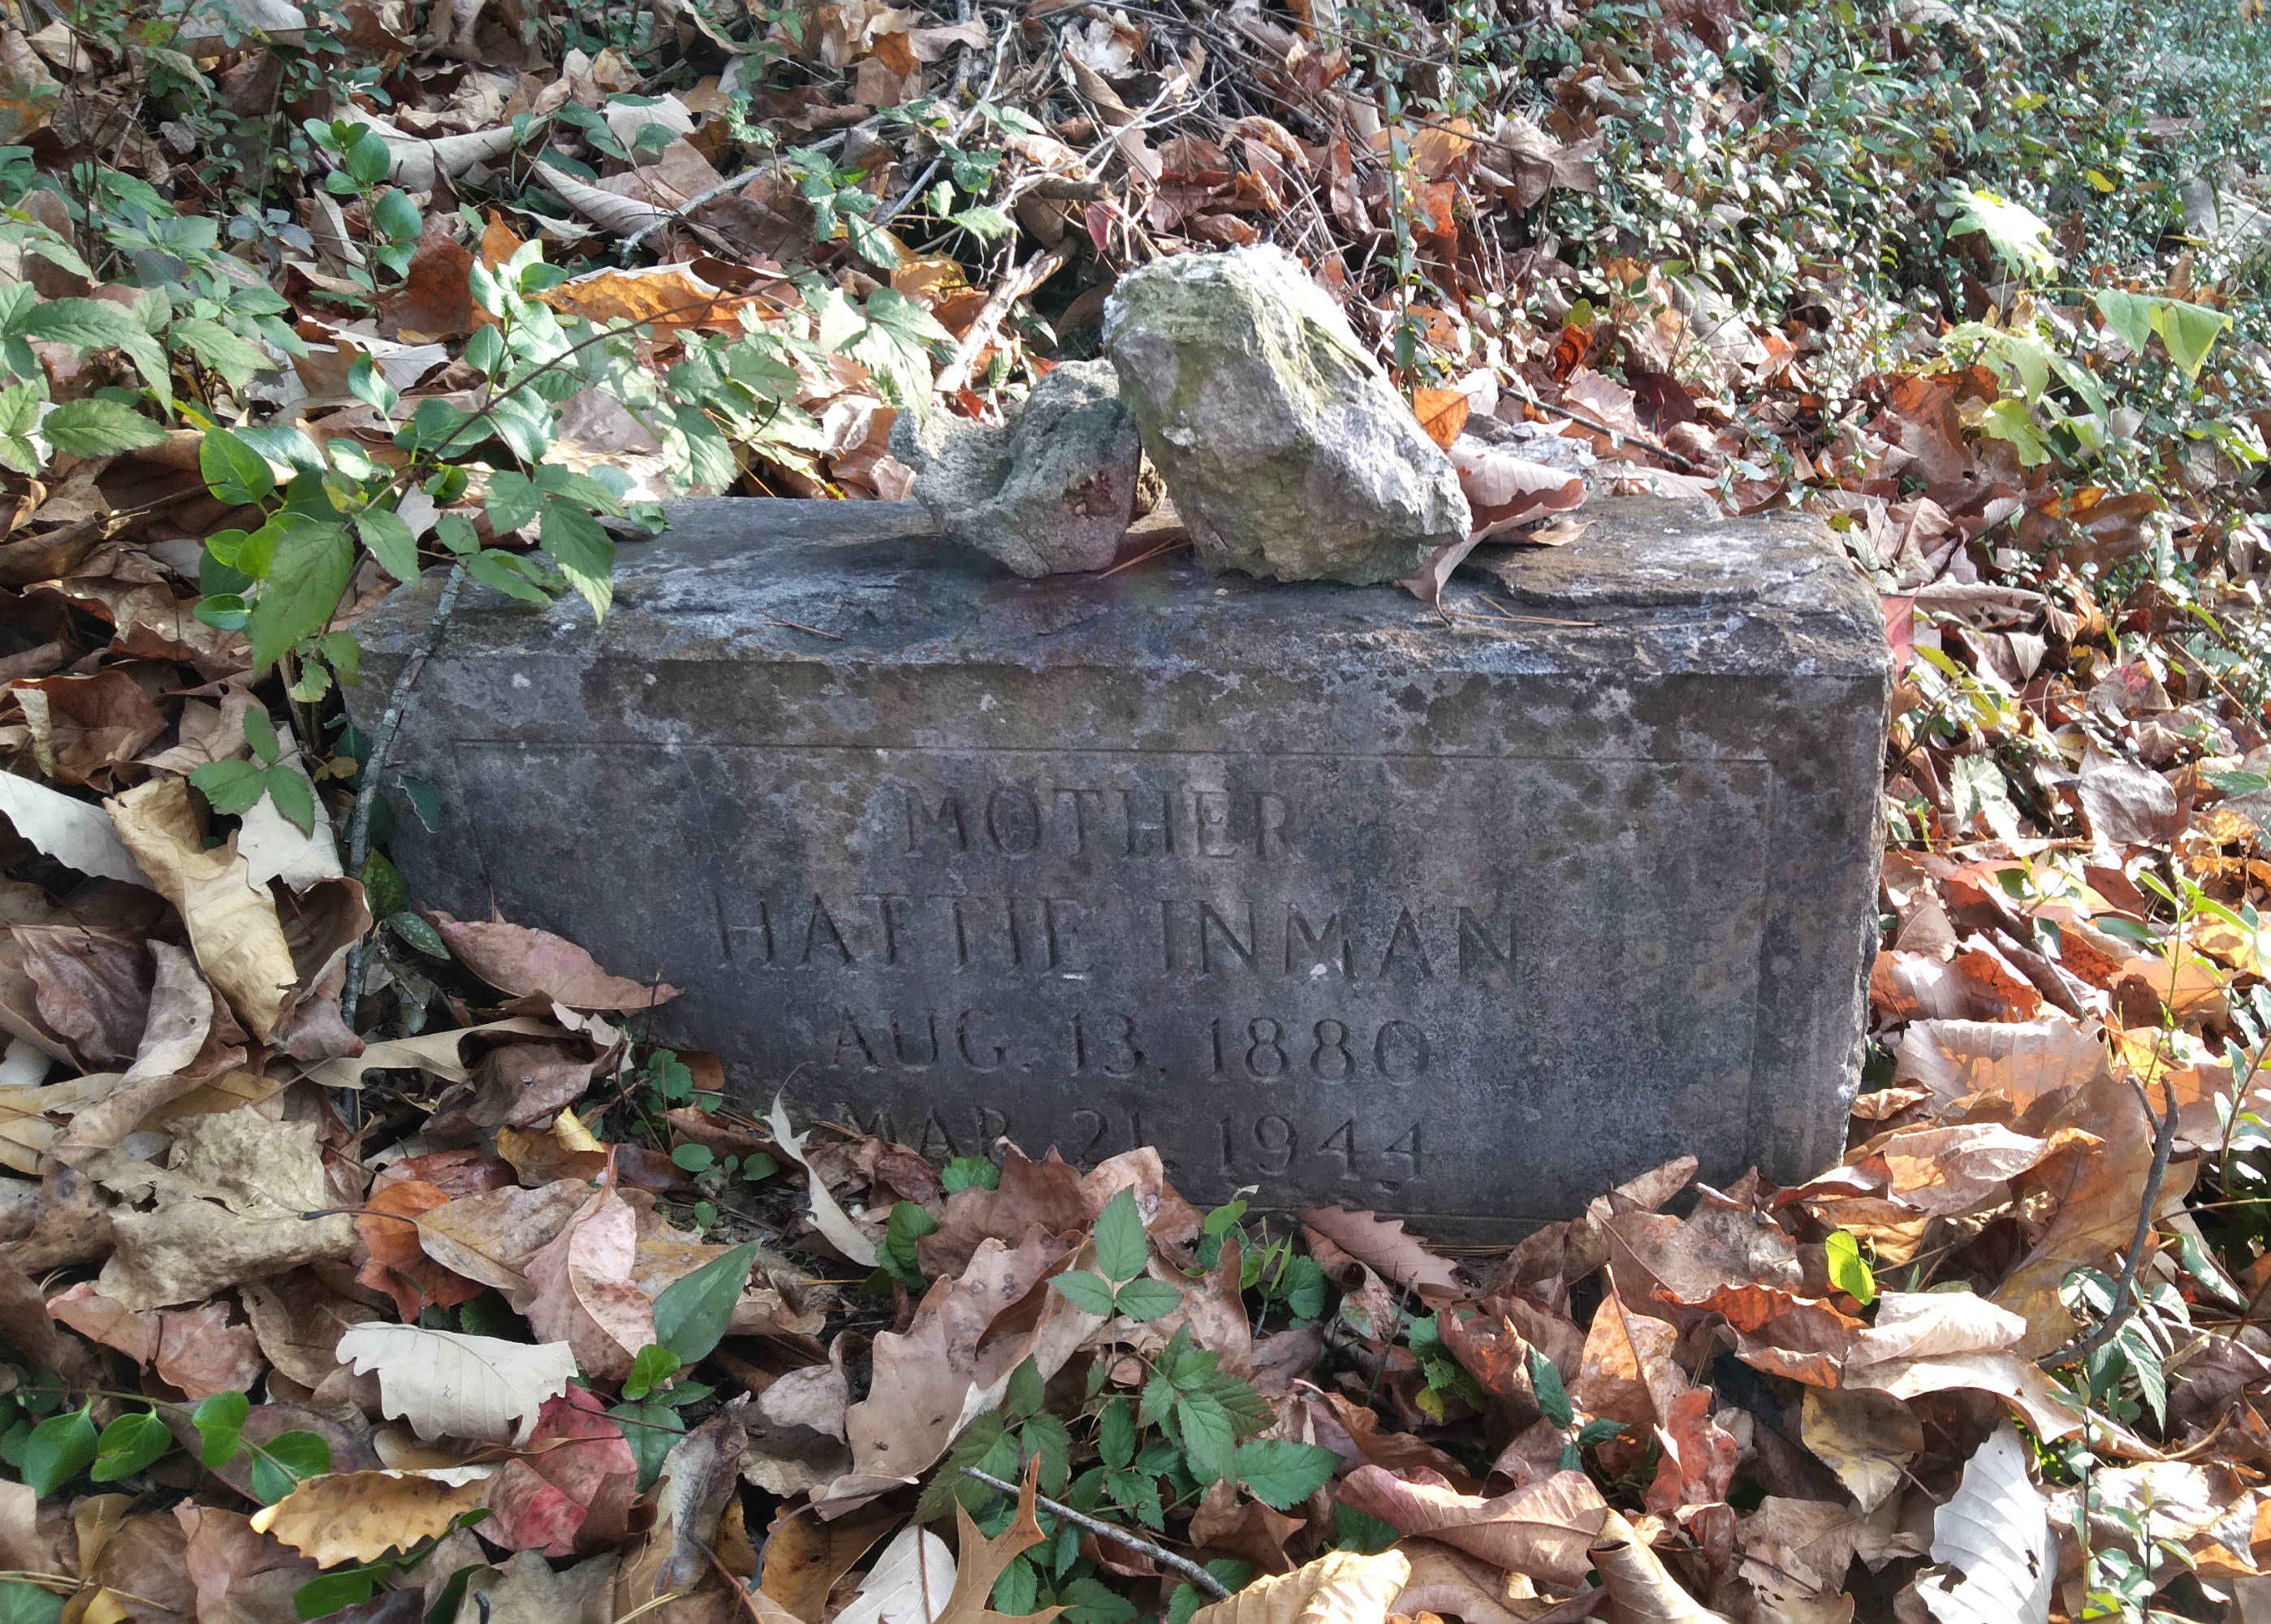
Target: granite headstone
1314, 889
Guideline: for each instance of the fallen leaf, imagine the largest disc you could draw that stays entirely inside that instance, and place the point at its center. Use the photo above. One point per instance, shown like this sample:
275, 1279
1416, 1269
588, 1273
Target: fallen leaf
827, 1216
1442, 413
1865, 1437
358, 1516
910, 1583
1995, 1536
528, 963
1641, 1589
1542, 1531
1381, 1244
445, 1383
75, 834
1340, 1587
575, 1485
579, 1289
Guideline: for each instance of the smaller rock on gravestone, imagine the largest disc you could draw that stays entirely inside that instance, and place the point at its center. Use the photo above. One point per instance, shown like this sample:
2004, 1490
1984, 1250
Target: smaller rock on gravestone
1049, 493
1287, 451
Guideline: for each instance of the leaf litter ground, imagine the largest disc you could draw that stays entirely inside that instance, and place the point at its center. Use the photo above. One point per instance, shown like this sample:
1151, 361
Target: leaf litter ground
476, 1306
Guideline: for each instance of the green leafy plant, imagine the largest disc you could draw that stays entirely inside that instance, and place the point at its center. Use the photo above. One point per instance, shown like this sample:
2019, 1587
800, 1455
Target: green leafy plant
691, 1317
237, 787
1121, 1252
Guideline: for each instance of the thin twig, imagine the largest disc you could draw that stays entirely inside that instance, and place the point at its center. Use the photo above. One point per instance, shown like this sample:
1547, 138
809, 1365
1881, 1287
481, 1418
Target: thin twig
980, 333
1168, 1560
1168, 546
773, 620
2164, 1139
1626, 436
382, 745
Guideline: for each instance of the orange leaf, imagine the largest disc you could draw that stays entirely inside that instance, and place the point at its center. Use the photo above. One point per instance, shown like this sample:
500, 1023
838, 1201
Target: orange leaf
1442, 412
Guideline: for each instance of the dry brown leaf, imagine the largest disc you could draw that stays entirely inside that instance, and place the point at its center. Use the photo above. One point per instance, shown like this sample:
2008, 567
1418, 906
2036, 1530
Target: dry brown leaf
1442, 412
610, 211
1641, 1589
980, 1560
480, 1389
528, 963
1382, 1244
490, 1237
1541, 1530
1505, 489
234, 929
1865, 1437
358, 1516
1341, 1587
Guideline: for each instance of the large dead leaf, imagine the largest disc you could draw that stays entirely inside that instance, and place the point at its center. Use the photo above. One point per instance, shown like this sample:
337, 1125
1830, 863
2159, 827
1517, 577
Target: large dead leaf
228, 1208
234, 928
491, 1237
1341, 1587
528, 963
480, 1389
579, 1289
75, 834
1381, 1244
1641, 1589
358, 1516
1995, 1538
1541, 1530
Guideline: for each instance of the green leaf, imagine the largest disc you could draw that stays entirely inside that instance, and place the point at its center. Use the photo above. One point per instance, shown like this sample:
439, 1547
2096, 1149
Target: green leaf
260, 734
28, 1604
1116, 1432
1024, 1395
506, 573
294, 797
389, 539
1849, 1270
285, 1460
693, 1157
1089, 1601
345, 653
1360, 1531
88, 324
238, 360
691, 1313
97, 428
2239, 783
1090, 1292
966, 1172
1047, 1437
328, 1593
2019, 237
234, 472
512, 498
1018, 1591
583, 550
650, 1429
417, 933
986, 224
59, 1449
1281, 1474
1594, 1432
220, 1421
871, 243
907, 1224
1148, 1300
1553, 1397
396, 216
2190, 330
896, 313
652, 1366
1122, 1251
302, 591
129, 1444
2129, 315
1303, 1288
232, 787
453, 1596
1210, 1439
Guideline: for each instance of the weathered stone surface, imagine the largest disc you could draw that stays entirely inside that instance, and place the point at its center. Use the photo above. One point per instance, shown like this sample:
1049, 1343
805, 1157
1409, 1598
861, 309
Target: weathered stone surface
1287, 452
1311, 891
1049, 492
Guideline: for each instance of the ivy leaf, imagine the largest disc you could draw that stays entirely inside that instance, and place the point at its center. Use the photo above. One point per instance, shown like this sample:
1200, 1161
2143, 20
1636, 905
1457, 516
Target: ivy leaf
331, 1592
220, 1421
650, 1429
129, 1444
59, 1449
285, 1461
1281, 1474
97, 428
691, 1313
301, 592
1090, 1292
1122, 1251
966, 1172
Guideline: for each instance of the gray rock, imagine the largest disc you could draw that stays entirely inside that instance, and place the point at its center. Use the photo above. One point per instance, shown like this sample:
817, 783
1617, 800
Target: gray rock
1299, 883
1287, 452
1050, 492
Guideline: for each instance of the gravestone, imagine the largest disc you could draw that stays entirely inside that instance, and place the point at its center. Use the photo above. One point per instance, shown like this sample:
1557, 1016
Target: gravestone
1312, 889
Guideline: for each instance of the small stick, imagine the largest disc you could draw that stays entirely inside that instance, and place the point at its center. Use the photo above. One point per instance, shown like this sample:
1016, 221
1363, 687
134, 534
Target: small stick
833, 637
1168, 1560
1145, 558
980, 333
2124, 1297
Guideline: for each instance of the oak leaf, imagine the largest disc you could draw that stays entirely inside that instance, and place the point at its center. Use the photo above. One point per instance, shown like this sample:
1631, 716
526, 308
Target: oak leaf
480, 1389
1382, 1245
358, 1516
